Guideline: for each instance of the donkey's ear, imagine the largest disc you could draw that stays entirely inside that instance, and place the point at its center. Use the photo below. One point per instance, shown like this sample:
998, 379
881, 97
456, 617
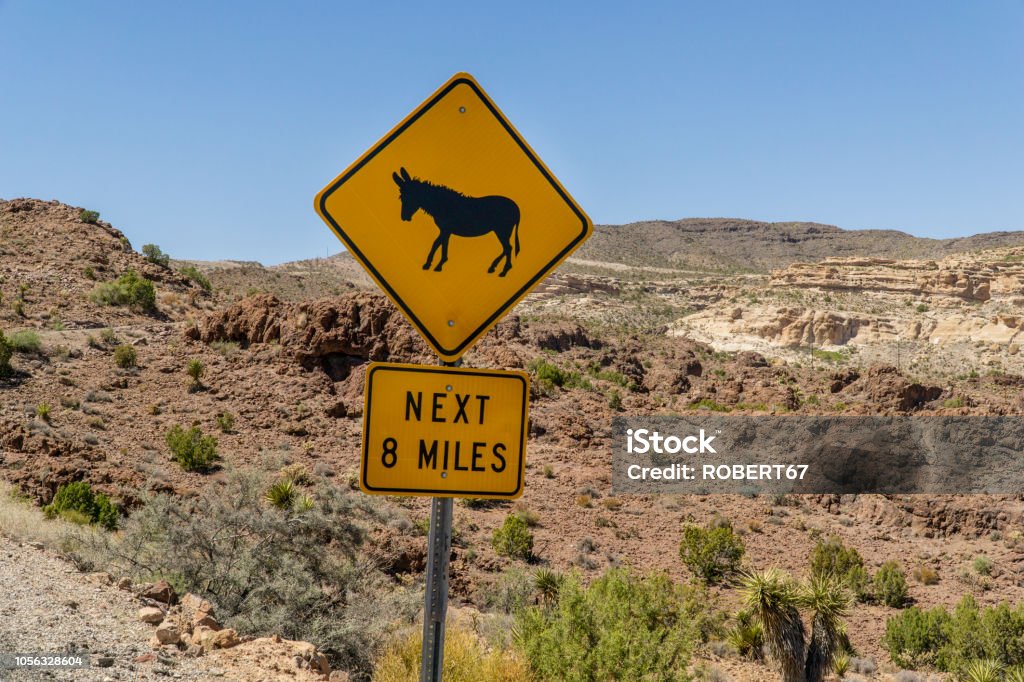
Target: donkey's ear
405, 175
398, 180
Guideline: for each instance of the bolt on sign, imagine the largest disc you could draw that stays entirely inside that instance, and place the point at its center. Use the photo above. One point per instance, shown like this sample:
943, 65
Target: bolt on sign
444, 431
454, 216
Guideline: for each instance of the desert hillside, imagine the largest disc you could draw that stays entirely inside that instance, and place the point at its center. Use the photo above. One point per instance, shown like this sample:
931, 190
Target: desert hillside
221, 421
733, 245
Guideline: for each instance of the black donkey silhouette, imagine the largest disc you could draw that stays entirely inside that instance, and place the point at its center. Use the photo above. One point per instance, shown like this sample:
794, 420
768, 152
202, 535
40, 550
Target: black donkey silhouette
455, 213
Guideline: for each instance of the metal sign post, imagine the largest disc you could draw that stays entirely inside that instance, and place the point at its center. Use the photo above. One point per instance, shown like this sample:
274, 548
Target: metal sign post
435, 599
439, 548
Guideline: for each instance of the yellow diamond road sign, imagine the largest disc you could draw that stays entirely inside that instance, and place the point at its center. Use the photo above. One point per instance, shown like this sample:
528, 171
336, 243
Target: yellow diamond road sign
443, 431
454, 216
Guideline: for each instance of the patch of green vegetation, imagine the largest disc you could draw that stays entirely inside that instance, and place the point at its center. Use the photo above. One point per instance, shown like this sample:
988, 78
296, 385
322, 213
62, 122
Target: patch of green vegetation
953, 402
191, 449
549, 375
199, 278
709, 404
921, 308
620, 627
127, 290
615, 400
155, 255
891, 585
225, 422
712, 553
513, 539
25, 341
950, 641
829, 355
87, 216
125, 356
6, 351
79, 503
595, 370
832, 557
195, 370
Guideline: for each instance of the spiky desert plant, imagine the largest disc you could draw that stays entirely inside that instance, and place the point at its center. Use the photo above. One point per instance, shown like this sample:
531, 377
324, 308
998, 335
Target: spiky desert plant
547, 583
747, 636
282, 494
774, 600
1015, 674
983, 670
841, 664
827, 598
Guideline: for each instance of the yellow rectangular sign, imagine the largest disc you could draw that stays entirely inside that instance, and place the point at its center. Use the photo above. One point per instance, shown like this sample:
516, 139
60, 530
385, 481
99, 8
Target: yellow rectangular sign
444, 431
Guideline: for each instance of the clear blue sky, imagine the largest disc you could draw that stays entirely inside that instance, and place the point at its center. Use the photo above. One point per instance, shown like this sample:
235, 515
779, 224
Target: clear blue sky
208, 127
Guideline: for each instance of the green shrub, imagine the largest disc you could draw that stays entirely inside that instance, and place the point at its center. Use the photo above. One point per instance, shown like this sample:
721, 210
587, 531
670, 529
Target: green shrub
225, 422
191, 449
125, 356
25, 341
127, 290
621, 627
831, 557
154, 255
199, 278
43, 411
949, 641
513, 539
6, 351
711, 553
195, 369
88, 216
77, 502
891, 585
549, 376
108, 336
615, 400
982, 565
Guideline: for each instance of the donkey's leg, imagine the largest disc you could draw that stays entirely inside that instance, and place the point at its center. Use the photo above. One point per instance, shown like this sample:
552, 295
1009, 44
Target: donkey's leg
444, 250
503, 239
496, 261
506, 253
430, 256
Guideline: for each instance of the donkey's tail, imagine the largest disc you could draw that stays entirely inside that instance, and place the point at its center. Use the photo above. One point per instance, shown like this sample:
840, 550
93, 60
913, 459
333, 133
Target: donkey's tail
517, 238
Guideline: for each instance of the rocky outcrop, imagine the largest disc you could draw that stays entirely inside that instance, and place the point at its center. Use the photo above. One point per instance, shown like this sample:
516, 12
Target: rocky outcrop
334, 333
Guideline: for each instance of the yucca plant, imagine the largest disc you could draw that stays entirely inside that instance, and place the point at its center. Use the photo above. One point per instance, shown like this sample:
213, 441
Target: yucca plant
841, 664
282, 494
983, 670
1014, 674
547, 583
303, 503
747, 636
827, 597
773, 599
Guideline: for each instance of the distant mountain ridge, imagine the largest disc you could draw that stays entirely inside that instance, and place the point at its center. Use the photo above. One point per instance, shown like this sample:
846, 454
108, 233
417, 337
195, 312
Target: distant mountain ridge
730, 244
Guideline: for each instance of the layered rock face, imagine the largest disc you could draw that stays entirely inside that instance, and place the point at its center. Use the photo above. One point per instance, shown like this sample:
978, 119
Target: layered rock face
973, 298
